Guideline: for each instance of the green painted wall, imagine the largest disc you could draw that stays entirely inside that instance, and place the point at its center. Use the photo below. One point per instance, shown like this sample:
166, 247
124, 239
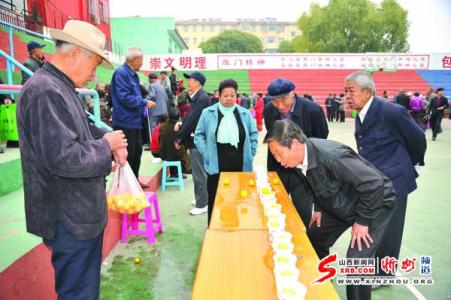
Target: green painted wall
150, 34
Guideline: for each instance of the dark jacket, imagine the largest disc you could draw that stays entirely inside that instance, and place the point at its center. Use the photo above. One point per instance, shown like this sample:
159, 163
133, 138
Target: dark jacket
403, 100
166, 136
391, 140
433, 105
344, 184
64, 158
306, 114
32, 64
200, 101
128, 102
246, 102
173, 80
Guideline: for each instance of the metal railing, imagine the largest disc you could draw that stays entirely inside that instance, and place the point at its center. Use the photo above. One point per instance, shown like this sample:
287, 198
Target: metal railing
95, 118
10, 61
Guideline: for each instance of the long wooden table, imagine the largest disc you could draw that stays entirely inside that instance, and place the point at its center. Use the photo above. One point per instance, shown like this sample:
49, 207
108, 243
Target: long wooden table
236, 258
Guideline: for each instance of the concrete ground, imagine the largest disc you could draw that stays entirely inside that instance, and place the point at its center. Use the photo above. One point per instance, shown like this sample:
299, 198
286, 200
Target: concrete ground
168, 267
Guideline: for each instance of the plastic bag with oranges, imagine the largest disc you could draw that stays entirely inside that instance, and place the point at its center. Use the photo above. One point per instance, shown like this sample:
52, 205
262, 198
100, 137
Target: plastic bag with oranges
125, 195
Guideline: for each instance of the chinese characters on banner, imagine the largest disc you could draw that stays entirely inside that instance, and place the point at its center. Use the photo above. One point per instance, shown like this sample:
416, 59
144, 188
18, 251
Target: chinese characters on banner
182, 62
289, 61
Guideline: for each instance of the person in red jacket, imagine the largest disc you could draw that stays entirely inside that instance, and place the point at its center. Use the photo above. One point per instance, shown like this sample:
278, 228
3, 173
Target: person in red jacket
258, 108
155, 144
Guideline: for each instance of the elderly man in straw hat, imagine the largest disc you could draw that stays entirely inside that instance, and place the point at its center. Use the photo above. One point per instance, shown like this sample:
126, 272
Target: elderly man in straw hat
65, 160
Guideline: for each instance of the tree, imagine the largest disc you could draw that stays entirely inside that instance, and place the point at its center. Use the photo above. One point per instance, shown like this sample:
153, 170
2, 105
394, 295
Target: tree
232, 41
289, 46
353, 26
286, 47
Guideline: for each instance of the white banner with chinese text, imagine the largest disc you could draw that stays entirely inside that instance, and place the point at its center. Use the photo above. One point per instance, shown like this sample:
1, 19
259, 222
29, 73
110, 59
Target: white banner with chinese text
388, 61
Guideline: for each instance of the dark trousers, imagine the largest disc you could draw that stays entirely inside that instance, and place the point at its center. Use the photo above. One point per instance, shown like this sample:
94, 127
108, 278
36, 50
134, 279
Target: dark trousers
324, 237
391, 241
212, 188
77, 265
436, 120
341, 113
134, 147
330, 114
300, 193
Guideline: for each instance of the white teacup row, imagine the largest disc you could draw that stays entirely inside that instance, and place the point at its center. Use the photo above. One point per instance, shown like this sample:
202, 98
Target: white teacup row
285, 271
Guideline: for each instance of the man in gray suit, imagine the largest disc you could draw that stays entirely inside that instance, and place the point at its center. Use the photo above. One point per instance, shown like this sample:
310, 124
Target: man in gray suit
157, 94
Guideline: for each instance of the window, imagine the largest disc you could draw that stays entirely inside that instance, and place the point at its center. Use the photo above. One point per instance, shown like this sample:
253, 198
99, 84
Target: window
293, 33
194, 41
212, 28
270, 40
245, 26
194, 28
222, 28
186, 40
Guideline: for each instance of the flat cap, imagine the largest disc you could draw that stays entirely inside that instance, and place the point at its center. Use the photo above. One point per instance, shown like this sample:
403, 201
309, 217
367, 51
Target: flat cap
280, 87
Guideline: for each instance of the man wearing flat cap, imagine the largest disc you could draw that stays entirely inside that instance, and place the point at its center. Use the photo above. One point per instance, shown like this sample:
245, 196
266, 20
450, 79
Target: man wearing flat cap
65, 160
309, 116
36, 59
199, 100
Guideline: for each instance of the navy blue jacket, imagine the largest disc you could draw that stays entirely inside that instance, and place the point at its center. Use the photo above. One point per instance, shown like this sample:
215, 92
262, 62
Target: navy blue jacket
128, 104
308, 115
391, 140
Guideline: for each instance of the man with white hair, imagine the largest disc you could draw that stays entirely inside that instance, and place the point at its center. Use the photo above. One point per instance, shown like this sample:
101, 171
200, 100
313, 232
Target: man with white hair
65, 160
388, 137
129, 106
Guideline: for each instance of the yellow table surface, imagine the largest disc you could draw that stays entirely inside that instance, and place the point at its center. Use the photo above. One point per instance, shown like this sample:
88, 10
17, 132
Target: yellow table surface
236, 258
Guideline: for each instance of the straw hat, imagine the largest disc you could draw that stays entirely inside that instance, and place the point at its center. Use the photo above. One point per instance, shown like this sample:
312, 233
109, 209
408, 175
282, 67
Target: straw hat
85, 35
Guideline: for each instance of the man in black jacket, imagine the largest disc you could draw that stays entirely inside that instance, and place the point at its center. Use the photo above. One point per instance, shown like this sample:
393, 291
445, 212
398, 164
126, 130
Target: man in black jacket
173, 80
348, 191
199, 101
310, 118
437, 108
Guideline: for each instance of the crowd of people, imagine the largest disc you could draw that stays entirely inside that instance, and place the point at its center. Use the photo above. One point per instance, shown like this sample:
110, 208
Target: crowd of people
332, 186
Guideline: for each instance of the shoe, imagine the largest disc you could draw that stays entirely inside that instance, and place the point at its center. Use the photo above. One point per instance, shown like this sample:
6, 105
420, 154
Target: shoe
198, 211
1, 150
147, 149
144, 185
156, 160
193, 202
433, 138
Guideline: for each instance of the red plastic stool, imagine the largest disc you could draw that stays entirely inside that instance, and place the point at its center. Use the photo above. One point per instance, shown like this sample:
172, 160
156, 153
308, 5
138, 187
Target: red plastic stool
151, 224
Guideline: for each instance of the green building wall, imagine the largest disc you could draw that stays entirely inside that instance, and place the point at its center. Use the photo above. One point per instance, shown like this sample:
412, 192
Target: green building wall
153, 35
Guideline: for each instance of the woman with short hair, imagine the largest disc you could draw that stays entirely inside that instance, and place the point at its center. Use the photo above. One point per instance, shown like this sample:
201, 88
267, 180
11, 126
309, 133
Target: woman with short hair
227, 138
